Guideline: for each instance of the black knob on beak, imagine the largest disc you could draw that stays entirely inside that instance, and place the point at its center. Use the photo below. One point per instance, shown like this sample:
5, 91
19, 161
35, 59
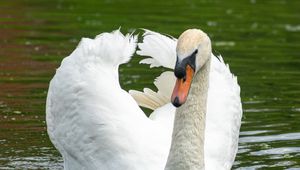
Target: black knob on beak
179, 72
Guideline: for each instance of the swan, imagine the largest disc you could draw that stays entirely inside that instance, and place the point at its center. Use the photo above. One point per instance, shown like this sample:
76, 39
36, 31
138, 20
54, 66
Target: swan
95, 124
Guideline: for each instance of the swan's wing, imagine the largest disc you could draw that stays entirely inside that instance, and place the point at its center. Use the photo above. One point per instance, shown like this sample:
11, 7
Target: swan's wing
160, 48
223, 118
91, 120
151, 99
162, 52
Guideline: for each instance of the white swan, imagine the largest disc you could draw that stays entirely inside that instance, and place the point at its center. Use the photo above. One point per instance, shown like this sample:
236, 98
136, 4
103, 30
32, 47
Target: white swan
95, 124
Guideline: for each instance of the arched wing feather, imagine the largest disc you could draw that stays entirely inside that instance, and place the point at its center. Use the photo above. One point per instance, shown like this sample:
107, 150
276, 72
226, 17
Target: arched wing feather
160, 48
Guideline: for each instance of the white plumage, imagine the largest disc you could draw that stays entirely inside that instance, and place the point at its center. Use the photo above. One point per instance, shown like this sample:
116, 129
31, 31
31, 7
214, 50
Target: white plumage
95, 124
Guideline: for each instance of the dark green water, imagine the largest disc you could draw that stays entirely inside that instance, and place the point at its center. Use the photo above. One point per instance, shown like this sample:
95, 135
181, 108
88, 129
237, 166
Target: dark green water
260, 40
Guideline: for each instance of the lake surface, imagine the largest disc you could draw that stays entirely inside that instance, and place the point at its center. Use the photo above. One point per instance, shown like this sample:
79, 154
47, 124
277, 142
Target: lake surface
259, 39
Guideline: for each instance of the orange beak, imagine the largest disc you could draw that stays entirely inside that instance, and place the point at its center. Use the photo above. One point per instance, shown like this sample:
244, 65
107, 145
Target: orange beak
182, 87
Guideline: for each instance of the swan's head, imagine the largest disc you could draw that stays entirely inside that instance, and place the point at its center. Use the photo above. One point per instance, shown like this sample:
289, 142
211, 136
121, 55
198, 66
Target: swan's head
193, 51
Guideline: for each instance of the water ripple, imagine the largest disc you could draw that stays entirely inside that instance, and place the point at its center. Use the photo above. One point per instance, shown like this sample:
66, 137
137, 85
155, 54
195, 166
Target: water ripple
254, 132
277, 151
270, 138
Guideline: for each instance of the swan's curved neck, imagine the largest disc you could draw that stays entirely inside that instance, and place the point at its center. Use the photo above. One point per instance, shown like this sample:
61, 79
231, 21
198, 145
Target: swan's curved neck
187, 148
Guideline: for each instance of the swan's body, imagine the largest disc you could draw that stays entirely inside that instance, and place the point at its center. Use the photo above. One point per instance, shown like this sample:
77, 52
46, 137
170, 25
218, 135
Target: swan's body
95, 124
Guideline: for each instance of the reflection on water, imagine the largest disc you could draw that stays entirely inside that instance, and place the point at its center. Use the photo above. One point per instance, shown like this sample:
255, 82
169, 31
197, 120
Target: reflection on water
259, 39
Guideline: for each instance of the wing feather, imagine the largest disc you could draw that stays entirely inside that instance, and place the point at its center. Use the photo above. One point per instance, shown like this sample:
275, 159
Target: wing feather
151, 99
162, 52
160, 48
223, 118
